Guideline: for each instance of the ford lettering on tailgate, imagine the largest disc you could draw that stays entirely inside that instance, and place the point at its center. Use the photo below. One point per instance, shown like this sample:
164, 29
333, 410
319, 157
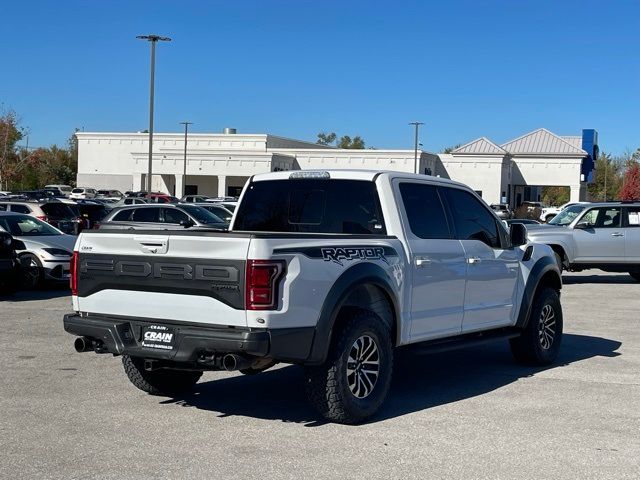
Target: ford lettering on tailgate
219, 279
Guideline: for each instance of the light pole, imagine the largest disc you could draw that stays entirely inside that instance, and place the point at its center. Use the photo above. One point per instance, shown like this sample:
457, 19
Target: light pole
153, 39
184, 171
415, 146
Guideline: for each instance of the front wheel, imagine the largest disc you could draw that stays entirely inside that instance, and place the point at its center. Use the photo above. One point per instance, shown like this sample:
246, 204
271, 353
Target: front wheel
158, 382
539, 343
32, 271
353, 382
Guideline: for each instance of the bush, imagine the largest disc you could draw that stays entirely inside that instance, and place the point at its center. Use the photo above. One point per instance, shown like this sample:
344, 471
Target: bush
523, 212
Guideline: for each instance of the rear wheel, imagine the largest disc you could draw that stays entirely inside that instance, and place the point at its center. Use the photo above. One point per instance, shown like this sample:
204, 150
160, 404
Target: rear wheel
540, 341
635, 275
353, 382
158, 382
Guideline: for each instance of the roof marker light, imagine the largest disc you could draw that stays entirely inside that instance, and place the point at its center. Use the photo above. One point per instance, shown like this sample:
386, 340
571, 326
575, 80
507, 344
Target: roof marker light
310, 174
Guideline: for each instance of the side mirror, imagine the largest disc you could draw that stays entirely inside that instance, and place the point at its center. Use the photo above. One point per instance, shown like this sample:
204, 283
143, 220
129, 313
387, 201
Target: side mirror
518, 234
18, 245
582, 226
187, 223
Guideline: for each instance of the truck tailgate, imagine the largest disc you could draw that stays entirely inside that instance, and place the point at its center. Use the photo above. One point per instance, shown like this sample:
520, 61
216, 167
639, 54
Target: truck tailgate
169, 275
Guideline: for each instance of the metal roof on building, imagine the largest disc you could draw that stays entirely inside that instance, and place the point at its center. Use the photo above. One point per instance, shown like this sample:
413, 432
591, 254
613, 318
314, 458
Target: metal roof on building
481, 145
575, 140
542, 142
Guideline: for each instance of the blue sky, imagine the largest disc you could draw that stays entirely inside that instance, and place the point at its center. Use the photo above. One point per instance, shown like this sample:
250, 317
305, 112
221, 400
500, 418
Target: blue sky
294, 68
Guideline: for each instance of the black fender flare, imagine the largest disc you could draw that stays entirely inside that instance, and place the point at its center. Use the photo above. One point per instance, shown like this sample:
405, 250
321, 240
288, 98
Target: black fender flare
540, 269
360, 274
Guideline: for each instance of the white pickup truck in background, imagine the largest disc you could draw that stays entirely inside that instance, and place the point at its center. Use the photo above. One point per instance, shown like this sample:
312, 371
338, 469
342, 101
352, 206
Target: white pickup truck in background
331, 270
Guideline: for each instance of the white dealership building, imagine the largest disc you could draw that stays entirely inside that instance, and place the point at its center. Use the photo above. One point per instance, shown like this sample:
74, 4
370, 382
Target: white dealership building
220, 164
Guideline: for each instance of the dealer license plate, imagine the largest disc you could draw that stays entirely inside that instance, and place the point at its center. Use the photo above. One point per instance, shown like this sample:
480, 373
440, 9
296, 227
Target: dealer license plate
158, 337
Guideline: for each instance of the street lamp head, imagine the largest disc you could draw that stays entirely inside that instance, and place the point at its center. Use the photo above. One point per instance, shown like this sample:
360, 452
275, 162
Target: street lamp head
153, 38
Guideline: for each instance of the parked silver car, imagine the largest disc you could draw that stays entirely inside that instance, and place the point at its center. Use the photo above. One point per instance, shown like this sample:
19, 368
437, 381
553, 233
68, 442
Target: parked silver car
594, 235
165, 216
47, 250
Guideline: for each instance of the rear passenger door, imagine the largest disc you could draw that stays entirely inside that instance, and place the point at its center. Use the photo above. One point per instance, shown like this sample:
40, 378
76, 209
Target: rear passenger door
631, 228
492, 266
437, 263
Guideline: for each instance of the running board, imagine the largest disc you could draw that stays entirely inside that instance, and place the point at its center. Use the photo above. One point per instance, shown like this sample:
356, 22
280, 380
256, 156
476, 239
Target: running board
463, 341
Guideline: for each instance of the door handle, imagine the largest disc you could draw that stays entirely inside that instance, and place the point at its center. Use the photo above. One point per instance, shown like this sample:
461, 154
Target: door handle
473, 260
617, 234
423, 262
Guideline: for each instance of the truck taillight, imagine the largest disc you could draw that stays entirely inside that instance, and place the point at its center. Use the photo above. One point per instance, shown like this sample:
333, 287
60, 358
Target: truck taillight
262, 280
44, 218
73, 270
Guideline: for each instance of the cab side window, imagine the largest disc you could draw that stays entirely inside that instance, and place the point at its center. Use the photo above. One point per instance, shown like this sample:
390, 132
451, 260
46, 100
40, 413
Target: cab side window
471, 218
173, 215
604, 217
150, 215
424, 210
122, 216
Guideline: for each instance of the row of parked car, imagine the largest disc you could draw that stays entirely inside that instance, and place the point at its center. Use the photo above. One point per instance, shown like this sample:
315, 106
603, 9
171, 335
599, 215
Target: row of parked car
38, 229
543, 212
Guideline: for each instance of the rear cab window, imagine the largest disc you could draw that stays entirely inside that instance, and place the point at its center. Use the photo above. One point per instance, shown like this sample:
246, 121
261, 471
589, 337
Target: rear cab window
311, 206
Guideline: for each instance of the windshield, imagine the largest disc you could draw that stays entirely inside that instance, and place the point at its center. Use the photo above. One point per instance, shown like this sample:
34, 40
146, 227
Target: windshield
566, 216
202, 215
26, 226
77, 190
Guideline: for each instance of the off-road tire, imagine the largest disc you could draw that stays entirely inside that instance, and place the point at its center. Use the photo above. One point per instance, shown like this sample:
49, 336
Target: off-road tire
635, 276
328, 386
531, 346
158, 382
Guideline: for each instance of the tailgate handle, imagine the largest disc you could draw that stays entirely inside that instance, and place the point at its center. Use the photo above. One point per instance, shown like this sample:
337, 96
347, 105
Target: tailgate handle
150, 244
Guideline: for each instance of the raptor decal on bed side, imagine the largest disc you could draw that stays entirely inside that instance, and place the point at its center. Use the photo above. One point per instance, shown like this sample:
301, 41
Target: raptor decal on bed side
340, 254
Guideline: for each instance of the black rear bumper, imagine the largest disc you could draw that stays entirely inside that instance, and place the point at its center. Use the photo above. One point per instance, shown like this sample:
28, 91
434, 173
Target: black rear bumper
124, 336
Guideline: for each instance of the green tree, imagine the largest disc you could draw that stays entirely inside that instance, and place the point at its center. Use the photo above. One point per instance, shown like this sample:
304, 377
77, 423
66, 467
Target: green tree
345, 141
356, 143
451, 149
10, 134
326, 138
555, 195
607, 178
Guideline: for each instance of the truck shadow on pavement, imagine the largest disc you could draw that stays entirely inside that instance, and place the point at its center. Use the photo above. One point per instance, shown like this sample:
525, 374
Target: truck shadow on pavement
420, 382
568, 279
45, 293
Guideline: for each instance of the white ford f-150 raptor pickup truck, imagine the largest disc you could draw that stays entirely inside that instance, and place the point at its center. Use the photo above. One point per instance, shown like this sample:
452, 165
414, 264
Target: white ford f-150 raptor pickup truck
330, 270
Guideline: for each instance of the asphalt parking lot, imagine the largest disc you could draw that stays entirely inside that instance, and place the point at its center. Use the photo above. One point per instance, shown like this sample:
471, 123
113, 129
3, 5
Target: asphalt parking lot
470, 414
